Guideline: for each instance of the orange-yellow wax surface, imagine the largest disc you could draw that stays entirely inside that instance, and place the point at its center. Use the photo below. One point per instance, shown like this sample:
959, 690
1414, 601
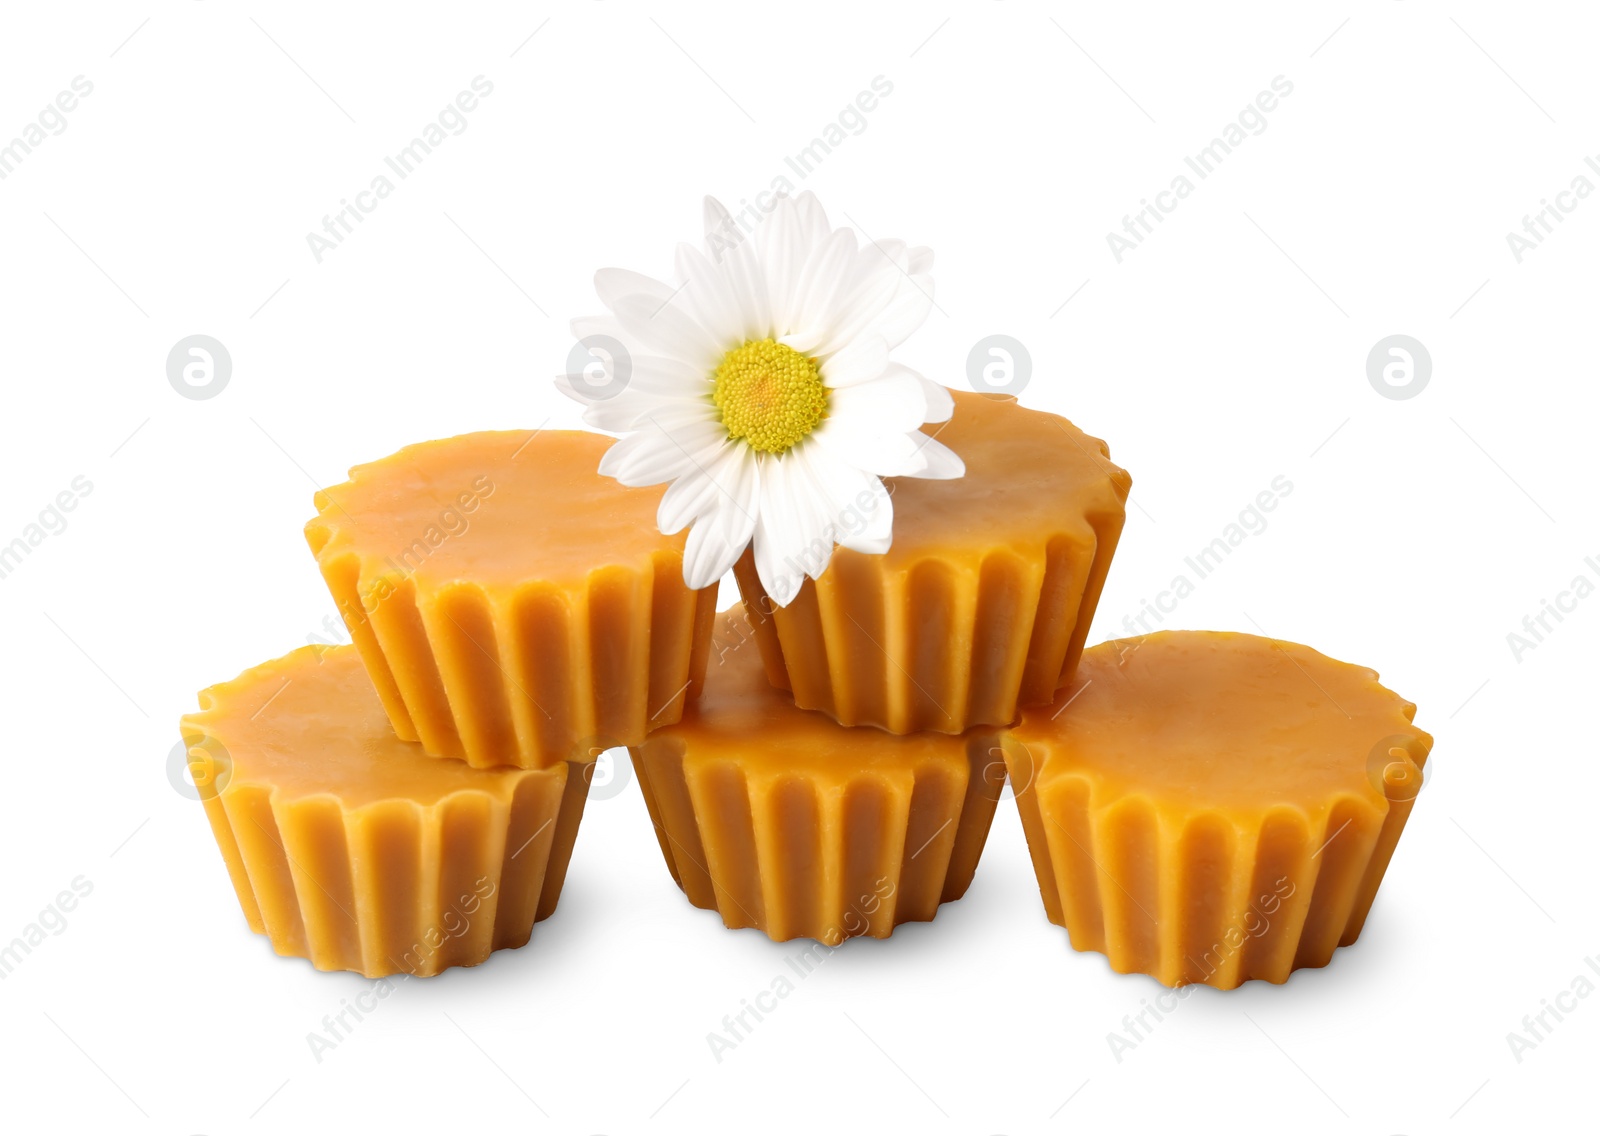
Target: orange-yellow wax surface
309, 725
1212, 806
500, 509
1030, 476
781, 819
354, 849
1197, 720
985, 596
742, 715
513, 606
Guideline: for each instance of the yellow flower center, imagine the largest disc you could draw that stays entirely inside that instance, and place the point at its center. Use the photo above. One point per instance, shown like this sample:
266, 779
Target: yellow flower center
769, 394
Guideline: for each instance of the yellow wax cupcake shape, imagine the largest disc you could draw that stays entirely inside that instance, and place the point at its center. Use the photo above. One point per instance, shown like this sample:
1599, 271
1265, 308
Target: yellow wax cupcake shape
352, 848
1214, 807
781, 819
512, 605
982, 602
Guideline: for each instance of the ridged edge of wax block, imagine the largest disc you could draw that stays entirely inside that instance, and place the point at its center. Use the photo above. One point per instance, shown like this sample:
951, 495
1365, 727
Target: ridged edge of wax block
943, 644
796, 856
539, 677
1204, 897
393, 886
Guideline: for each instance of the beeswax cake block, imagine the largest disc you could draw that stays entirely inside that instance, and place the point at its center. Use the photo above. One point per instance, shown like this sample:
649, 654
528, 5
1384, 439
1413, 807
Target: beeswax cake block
984, 599
781, 819
354, 849
1214, 807
512, 606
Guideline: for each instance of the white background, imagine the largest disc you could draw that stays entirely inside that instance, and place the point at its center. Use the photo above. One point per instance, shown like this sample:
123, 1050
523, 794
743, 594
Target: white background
1228, 349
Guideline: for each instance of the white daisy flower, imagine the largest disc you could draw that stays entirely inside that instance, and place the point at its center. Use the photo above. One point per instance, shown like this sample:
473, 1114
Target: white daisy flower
761, 387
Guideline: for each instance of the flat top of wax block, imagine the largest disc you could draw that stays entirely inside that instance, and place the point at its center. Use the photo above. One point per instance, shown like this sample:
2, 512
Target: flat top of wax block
741, 715
1029, 476
310, 723
1219, 718
500, 507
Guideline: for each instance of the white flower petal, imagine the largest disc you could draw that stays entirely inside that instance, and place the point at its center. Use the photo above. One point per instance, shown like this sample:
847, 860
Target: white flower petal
650, 385
631, 451
662, 449
733, 250
884, 453
651, 374
860, 509
696, 492
727, 522
715, 545
906, 312
636, 407
936, 403
616, 415
852, 318
894, 402
747, 279
656, 374
783, 254
665, 329
611, 284
814, 225
859, 362
721, 232
876, 276
578, 389
686, 420
890, 251
938, 461
585, 326
708, 293
790, 538
820, 291
688, 498
825, 275
564, 385
940, 406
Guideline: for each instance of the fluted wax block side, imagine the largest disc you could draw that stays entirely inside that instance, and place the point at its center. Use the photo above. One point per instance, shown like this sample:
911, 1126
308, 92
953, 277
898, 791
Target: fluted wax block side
1213, 807
352, 848
1202, 899
546, 623
983, 601
802, 855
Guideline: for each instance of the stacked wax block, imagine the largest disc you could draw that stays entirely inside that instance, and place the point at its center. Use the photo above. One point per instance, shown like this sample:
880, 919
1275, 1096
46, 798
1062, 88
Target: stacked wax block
410, 802
1212, 807
840, 773
1201, 807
